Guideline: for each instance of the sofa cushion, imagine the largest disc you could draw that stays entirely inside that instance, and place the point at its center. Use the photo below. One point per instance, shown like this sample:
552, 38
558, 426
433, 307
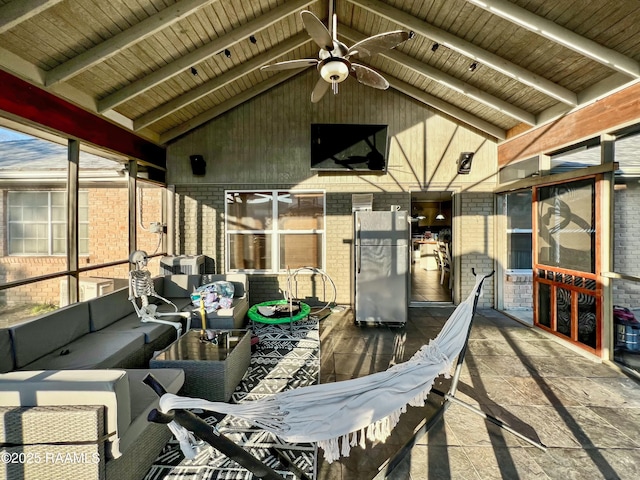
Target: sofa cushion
95, 350
239, 281
180, 302
132, 324
37, 337
180, 286
6, 351
74, 387
143, 399
158, 285
109, 308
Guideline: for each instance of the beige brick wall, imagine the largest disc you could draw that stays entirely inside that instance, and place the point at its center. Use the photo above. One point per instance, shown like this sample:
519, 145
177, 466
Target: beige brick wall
517, 291
475, 243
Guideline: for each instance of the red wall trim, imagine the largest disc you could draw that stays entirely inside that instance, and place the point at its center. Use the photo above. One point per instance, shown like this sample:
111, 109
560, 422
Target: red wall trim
32, 103
603, 116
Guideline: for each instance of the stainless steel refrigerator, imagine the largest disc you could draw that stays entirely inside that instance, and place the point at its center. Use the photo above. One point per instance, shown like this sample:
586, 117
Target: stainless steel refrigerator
381, 267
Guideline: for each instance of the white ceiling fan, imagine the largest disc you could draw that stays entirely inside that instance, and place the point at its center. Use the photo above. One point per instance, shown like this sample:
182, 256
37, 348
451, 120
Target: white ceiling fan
334, 60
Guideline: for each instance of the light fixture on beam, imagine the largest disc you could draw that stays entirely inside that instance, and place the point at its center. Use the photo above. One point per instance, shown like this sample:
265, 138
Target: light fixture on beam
473, 66
435, 46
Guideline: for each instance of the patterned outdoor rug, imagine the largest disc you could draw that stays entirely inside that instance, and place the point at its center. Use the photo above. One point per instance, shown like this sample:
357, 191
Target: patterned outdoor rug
282, 360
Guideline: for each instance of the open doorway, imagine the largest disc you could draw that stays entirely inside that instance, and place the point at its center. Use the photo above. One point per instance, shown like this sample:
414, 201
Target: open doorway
432, 270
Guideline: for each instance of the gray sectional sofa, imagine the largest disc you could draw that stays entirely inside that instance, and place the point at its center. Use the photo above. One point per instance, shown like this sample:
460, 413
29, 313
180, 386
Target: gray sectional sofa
71, 382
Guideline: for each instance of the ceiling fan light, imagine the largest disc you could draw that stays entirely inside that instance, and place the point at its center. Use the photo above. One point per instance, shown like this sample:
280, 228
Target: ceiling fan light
334, 71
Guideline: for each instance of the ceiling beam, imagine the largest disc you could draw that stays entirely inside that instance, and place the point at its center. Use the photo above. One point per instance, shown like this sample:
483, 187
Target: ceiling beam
227, 105
565, 37
447, 108
470, 50
31, 104
446, 80
202, 53
17, 11
225, 79
124, 39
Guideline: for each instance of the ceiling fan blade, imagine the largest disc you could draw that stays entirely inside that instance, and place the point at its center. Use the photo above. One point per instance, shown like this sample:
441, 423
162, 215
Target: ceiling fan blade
377, 43
369, 77
319, 90
290, 64
316, 30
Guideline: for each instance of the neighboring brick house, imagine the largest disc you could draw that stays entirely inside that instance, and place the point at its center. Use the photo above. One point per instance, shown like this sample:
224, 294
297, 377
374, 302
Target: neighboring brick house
31, 167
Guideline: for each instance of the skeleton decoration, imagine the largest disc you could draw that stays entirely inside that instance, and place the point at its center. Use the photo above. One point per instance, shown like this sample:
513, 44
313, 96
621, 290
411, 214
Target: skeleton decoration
141, 287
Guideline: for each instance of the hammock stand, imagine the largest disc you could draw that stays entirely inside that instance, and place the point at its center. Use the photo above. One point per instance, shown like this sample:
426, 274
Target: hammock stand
209, 434
449, 398
205, 432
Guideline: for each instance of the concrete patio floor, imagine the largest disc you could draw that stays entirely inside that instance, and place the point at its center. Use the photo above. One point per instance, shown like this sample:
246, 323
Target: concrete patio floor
586, 412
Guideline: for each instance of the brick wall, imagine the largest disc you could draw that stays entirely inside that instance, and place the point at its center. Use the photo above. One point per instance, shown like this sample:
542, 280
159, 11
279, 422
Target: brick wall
627, 244
476, 243
200, 218
108, 242
517, 291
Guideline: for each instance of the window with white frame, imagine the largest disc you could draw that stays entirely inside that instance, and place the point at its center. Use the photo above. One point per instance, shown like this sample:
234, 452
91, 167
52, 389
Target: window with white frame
517, 210
37, 223
274, 230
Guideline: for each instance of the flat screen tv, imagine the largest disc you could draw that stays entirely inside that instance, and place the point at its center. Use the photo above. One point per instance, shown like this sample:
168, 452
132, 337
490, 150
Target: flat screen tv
340, 147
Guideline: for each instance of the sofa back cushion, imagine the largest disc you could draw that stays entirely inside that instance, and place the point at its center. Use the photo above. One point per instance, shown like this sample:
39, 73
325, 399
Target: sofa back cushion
6, 351
109, 308
46, 333
179, 286
239, 281
73, 387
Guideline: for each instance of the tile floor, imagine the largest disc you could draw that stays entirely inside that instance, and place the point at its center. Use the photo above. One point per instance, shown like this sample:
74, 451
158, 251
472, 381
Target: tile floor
426, 287
586, 412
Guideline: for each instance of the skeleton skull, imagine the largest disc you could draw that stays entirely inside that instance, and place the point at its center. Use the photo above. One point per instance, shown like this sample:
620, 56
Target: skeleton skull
139, 258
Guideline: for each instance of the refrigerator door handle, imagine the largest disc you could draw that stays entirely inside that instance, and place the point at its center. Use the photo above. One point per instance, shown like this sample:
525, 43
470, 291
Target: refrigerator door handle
358, 246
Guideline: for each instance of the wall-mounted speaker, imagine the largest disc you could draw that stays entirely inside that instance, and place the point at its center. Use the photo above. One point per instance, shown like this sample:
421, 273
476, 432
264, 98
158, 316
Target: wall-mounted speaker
198, 165
464, 162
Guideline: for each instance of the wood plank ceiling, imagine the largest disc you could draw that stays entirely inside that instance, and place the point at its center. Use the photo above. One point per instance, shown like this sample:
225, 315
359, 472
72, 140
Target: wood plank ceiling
164, 67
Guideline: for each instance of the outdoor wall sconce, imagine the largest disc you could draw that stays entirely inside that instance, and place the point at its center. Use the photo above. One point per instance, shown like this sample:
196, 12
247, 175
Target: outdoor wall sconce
198, 165
464, 162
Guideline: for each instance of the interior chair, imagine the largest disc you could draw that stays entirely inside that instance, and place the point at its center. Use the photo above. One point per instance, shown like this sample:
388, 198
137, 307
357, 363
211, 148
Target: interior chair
444, 254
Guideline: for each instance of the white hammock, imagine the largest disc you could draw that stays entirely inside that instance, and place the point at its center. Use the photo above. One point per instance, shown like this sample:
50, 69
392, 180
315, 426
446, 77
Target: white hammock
344, 414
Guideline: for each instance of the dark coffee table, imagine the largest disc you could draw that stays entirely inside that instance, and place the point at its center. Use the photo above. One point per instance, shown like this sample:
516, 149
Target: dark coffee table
212, 372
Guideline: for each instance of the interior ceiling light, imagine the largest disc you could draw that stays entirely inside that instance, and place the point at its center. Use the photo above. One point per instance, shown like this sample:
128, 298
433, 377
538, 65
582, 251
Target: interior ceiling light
473, 66
227, 52
440, 216
434, 47
194, 72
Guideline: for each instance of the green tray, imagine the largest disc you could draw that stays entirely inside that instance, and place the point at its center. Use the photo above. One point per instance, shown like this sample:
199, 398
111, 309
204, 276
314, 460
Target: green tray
254, 314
